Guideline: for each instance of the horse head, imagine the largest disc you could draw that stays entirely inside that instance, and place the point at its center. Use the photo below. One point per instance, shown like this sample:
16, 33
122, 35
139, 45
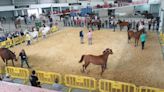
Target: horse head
119, 21
14, 56
108, 51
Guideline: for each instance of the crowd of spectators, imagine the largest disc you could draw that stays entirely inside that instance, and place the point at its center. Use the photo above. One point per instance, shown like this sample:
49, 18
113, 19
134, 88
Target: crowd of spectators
11, 35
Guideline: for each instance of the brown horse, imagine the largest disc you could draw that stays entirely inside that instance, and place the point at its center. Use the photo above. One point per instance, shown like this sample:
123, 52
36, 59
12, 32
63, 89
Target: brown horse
122, 24
135, 35
97, 60
17, 23
6, 55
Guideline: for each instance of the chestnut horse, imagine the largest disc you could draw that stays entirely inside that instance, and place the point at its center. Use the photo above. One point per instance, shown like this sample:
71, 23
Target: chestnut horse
135, 35
17, 23
6, 55
122, 24
97, 60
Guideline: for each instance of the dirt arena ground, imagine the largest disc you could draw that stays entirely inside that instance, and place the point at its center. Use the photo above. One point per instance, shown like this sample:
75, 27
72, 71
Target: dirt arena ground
61, 51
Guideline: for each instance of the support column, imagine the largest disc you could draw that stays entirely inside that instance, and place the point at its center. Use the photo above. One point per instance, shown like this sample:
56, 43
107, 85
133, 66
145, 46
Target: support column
161, 14
12, 1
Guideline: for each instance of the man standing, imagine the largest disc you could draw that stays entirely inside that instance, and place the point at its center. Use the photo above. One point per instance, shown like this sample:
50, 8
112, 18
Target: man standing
28, 38
143, 39
90, 38
81, 37
24, 58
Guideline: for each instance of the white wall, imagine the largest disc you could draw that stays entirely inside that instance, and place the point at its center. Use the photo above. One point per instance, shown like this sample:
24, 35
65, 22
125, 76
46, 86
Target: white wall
46, 1
63, 1
145, 7
124, 10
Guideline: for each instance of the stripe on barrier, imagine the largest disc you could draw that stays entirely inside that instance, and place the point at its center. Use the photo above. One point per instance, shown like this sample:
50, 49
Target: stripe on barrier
81, 82
113, 86
18, 73
17, 40
149, 89
3, 44
48, 77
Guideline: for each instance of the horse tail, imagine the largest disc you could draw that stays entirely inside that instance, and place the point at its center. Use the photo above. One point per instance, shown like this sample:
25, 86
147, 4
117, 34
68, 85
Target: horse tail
81, 58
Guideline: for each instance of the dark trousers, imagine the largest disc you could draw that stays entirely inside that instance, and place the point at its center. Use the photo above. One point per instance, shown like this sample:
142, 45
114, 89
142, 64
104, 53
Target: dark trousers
143, 44
28, 42
149, 27
22, 62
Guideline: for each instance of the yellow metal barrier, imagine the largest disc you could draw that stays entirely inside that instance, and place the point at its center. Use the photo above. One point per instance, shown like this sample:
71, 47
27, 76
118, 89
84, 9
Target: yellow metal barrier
18, 73
3, 44
113, 86
81, 82
17, 40
22, 38
40, 34
8, 43
48, 77
149, 89
54, 29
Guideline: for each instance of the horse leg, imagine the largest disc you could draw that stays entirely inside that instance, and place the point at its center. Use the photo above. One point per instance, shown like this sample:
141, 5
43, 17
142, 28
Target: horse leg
135, 43
3, 59
6, 62
86, 66
102, 68
106, 65
83, 68
128, 38
13, 63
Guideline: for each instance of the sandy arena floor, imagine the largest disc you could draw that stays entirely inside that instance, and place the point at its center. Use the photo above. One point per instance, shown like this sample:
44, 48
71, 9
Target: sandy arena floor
61, 51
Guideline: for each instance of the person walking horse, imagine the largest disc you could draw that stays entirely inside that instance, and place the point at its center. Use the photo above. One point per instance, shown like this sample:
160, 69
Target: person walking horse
24, 58
143, 39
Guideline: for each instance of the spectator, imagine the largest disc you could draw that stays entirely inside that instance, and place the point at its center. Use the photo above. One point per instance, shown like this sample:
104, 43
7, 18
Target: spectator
57, 86
28, 38
90, 38
149, 24
81, 37
34, 79
1, 78
24, 58
7, 78
38, 85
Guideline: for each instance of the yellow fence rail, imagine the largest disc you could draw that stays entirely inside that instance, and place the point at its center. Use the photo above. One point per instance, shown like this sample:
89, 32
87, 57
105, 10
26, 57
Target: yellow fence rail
48, 77
81, 82
74, 81
113, 86
149, 89
19, 73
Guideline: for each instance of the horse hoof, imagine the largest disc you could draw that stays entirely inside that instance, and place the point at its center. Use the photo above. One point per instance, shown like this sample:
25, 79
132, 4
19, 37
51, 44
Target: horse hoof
88, 71
82, 71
